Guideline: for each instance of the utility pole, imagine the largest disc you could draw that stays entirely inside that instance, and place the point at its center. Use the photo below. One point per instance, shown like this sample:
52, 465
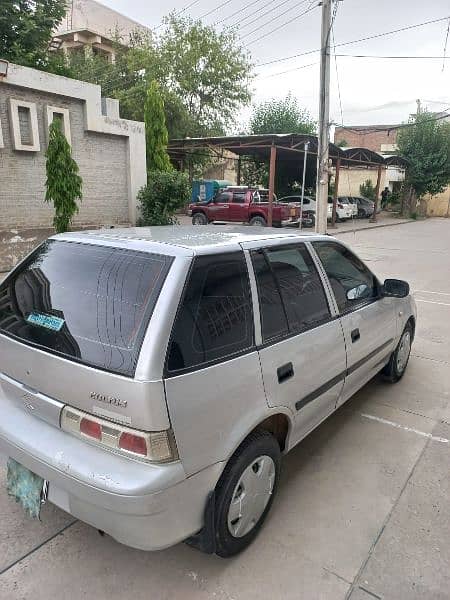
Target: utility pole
324, 121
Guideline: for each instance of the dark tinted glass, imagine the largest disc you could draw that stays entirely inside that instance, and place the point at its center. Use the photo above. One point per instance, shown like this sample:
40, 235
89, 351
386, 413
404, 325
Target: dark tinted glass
215, 319
86, 302
239, 197
351, 280
300, 287
273, 315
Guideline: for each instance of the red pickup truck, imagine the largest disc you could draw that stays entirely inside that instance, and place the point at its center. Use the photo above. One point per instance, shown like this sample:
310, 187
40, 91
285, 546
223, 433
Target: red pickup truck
243, 205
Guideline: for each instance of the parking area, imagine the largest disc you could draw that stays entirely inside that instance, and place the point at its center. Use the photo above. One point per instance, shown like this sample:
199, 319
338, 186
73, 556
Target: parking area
363, 507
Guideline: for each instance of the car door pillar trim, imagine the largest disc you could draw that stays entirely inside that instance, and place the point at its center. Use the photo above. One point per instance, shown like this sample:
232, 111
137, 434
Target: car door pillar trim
255, 300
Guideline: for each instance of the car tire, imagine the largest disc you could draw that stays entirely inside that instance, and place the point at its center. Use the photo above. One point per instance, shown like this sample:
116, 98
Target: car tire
396, 367
199, 218
258, 221
236, 522
361, 213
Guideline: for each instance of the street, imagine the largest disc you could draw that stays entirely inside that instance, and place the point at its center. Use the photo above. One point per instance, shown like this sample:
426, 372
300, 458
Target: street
362, 510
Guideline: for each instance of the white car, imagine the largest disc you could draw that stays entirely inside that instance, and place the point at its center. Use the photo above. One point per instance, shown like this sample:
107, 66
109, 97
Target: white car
344, 211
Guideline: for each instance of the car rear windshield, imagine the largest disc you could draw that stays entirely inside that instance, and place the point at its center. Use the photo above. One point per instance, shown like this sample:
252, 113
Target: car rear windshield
85, 302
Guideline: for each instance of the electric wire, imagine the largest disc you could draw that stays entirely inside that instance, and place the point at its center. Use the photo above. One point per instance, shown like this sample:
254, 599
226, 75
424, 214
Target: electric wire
302, 14
370, 37
273, 18
242, 9
445, 45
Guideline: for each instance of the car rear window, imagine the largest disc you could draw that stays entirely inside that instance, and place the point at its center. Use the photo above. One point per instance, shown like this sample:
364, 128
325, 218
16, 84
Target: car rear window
85, 302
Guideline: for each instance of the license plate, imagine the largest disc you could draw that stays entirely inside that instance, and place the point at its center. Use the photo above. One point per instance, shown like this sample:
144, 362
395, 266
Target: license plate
47, 321
27, 488
292, 212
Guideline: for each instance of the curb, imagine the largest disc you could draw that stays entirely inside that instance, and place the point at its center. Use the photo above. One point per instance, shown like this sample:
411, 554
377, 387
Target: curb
372, 227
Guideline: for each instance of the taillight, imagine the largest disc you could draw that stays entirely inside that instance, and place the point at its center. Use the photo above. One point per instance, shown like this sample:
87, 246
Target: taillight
154, 446
91, 428
133, 443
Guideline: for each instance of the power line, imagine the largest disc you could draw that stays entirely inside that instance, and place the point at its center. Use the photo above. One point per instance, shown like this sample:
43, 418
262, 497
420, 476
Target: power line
179, 12
206, 14
236, 12
271, 10
391, 57
279, 26
288, 71
249, 16
370, 37
445, 45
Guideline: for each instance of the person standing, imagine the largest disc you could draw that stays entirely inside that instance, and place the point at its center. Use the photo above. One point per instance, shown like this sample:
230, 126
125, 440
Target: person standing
385, 197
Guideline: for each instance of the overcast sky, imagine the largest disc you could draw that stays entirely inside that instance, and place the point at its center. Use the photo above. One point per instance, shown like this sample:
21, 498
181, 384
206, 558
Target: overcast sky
373, 91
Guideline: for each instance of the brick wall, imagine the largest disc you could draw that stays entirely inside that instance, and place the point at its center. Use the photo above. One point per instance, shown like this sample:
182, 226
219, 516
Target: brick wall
365, 138
102, 159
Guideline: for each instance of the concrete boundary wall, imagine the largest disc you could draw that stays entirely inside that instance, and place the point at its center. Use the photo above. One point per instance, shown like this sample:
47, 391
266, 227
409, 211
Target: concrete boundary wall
94, 120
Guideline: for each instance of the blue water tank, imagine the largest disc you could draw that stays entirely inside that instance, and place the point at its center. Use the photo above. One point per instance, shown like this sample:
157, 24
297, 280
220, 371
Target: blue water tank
205, 189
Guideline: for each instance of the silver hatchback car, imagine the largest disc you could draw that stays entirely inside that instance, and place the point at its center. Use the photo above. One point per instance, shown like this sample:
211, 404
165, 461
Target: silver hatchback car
151, 379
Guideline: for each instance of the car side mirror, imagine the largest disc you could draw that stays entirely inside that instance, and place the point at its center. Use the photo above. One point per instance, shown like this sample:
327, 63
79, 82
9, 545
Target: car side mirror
357, 292
395, 288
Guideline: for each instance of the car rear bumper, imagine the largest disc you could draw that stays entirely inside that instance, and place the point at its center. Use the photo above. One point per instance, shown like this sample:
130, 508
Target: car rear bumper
142, 505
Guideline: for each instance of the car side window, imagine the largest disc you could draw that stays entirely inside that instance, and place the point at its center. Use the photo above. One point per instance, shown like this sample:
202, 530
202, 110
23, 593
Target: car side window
291, 295
238, 197
215, 318
224, 197
352, 282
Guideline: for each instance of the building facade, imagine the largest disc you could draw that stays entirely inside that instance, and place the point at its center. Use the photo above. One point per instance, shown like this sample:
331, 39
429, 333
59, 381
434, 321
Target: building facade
110, 153
89, 25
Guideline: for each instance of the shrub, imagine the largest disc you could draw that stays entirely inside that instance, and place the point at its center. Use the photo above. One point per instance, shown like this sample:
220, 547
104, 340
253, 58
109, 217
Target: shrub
63, 184
367, 190
164, 194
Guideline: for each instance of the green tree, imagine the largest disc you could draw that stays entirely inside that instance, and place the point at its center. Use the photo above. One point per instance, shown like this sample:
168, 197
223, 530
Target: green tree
26, 28
64, 184
426, 146
156, 137
367, 190
164, 194
280, 116
203, 75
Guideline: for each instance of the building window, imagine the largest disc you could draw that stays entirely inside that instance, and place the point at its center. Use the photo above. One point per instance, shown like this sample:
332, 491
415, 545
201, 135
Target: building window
62, 114
24, 125
26, 136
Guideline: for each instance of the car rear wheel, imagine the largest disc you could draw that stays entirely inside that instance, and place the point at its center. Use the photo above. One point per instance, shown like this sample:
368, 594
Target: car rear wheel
199, 219
245, 492
361, 213
258, 221
398, 362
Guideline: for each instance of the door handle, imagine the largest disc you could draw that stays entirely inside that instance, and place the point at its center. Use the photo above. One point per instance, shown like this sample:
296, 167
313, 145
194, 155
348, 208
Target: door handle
285, 372
355, 335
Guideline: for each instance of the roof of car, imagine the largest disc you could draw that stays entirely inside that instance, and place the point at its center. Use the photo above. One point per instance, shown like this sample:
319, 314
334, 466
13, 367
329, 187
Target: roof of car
194, 238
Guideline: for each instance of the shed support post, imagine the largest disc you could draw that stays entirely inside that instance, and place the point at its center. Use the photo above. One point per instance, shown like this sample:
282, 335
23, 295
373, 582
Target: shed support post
336, 192
239, 165
273, 158
377, 194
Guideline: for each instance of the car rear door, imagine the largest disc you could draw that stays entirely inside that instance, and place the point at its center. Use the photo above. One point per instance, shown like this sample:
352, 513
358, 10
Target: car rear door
368, 319
302, 350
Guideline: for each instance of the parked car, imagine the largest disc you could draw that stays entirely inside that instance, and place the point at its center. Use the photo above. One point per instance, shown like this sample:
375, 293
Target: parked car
243, 205
365, 206
344, 210
309, 208
151, 378
351, 201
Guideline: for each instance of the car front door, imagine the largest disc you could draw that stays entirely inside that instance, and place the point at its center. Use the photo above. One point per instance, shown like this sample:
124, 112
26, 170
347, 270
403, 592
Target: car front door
368, 319
220, 206
302, 349
237, 209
